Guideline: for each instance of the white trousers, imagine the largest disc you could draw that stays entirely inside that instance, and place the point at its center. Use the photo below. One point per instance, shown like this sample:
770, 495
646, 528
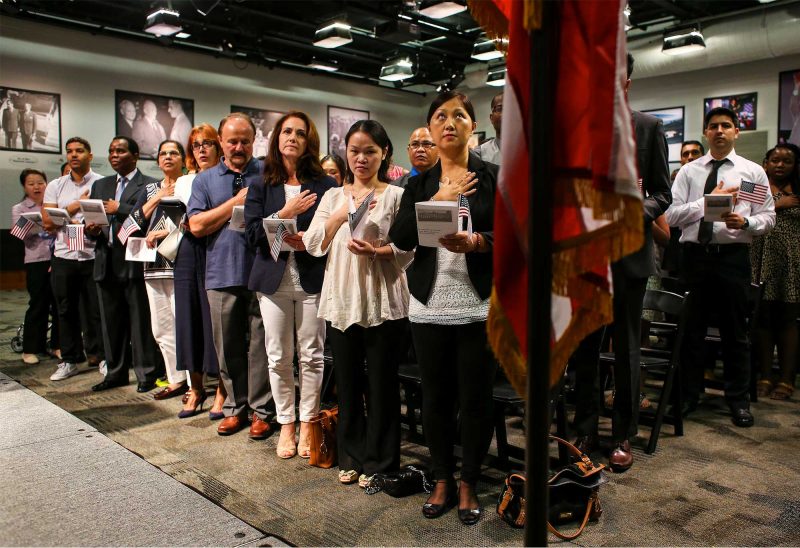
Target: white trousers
161, 296
288, 315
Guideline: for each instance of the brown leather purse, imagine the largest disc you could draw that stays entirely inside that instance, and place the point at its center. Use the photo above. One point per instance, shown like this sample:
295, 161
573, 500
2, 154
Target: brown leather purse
323, 438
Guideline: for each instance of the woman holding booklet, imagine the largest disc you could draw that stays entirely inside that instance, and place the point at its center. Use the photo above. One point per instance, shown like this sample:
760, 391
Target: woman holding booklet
287, 278
158, 213
450, 286
365, 299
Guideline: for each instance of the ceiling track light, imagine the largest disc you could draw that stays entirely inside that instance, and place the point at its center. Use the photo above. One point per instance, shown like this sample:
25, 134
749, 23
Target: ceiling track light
486, 50
682, 41
163, 22
436, 9
627, 16
496, 76
333, 35
397, 69
326, 66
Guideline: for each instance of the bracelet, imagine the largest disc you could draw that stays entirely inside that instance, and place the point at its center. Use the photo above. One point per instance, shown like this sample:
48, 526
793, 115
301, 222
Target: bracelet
374, 255
477, 241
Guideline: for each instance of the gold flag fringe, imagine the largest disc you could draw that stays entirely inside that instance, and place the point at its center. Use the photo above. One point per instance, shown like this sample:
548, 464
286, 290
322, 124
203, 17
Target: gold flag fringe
505, 345
489, 17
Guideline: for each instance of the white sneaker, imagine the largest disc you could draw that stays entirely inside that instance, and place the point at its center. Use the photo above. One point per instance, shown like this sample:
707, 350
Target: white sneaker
65, 370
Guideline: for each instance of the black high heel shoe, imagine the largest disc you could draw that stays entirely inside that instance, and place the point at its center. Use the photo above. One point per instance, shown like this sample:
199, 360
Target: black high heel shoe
469, 516
186, 413
432, 511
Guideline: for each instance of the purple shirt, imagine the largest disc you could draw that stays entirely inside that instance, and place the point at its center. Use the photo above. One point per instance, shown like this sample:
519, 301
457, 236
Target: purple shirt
37, 246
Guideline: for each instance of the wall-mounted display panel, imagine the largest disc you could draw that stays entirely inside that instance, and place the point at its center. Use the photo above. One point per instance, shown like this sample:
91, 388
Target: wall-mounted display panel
31, 120
150, 119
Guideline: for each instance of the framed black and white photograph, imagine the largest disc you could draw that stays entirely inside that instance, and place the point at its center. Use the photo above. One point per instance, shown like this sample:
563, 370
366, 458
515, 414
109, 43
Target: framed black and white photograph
340, 120
789, 107
673, 119
264, 121
743, 104
150, 119
31, 120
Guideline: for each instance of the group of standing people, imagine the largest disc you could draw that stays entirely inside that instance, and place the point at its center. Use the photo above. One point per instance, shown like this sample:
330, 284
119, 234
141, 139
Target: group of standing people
224, 301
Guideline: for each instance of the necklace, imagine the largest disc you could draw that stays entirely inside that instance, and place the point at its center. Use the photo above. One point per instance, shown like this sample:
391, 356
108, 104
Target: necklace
360, 198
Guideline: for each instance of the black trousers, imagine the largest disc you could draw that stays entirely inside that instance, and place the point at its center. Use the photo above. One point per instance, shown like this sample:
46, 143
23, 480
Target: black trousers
628, 299
718, 280
458, 371
40, 305
75, 293
127, 334
368, 442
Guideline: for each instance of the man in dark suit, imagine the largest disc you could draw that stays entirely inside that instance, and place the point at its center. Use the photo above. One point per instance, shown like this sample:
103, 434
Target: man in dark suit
10, 123
124, 308
27, 126
630, 281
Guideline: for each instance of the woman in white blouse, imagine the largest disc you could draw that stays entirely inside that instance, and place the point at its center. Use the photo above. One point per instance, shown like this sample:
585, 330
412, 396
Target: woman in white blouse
288, 284
365, 299
450, 287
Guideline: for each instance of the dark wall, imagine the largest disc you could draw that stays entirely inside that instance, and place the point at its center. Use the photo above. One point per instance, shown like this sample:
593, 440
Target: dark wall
12, 252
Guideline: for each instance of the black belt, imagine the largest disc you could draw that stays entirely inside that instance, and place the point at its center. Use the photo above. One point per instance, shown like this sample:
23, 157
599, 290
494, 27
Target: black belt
715, 249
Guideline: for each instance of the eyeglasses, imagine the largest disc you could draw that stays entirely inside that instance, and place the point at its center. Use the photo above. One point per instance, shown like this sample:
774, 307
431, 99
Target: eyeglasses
424, 144
238, 183
165, 153
203, 144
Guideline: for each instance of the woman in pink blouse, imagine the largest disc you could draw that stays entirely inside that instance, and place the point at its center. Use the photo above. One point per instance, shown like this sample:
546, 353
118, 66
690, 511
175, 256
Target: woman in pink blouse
37, 270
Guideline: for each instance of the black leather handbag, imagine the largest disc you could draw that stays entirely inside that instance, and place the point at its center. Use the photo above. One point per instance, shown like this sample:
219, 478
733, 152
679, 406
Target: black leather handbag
409, 480
573, 489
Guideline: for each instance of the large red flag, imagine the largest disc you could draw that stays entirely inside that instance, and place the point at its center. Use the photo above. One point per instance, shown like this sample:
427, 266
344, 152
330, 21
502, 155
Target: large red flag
597, 209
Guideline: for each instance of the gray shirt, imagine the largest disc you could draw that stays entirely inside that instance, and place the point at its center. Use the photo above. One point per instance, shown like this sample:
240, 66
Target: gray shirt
489, 151
62, 192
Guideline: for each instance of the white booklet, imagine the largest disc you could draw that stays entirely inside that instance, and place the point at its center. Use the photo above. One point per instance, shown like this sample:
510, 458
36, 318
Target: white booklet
59, 216
357, 216
237, 219
93, 212
436, 219
170, 200
271, 227
136, 250
715, 206
36, 218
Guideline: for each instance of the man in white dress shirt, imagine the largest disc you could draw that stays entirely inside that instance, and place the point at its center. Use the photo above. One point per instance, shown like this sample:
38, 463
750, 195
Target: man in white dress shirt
489, 151
716, 266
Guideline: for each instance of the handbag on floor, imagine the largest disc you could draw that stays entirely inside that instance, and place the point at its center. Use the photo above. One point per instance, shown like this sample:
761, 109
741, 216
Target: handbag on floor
323, 438
409, 480
573, 489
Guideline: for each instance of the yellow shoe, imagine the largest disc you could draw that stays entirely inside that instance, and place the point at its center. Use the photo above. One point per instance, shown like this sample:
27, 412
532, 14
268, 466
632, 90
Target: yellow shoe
30, 359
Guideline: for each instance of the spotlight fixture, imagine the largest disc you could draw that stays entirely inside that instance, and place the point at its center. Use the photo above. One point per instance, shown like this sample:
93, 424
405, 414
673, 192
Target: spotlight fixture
436, 9
327, 66
627, 14
163, 22
496, 76
683, 41
333, 35
486, 50
397, 69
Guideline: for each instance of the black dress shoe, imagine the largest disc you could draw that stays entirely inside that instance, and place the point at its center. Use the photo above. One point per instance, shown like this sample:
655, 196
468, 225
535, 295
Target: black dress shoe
742, 417
145, 386
105, 385
432, 511
469, 516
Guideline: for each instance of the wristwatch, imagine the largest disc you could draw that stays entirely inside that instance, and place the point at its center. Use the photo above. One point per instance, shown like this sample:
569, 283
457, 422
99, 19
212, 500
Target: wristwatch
746, 223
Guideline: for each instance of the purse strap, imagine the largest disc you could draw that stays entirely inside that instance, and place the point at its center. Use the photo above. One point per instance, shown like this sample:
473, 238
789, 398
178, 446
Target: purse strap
583, 461
576, 534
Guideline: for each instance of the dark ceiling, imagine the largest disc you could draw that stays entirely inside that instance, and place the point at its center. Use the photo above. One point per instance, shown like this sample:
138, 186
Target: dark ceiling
281, 32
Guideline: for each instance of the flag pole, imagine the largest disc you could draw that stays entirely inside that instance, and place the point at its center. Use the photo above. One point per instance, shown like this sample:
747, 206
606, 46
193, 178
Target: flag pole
540, 265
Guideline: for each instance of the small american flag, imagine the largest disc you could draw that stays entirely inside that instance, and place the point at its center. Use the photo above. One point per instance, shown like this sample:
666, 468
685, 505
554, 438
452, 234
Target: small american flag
128, 228
464, 215
22, 228
75, 237
753, 193
280, 235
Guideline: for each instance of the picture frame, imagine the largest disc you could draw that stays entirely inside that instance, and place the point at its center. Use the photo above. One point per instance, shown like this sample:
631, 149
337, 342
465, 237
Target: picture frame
674, 128
789, 107
340, 119
149, 119
743, 104
30, 120
264, 120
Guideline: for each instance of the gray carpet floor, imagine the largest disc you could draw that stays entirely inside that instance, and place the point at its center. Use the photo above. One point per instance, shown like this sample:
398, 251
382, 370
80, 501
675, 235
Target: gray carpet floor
716, 485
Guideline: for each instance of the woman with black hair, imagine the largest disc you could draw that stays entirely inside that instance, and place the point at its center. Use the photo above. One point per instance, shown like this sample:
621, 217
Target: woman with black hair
775, 259
450, 287
334, 166
365, 300
288, 285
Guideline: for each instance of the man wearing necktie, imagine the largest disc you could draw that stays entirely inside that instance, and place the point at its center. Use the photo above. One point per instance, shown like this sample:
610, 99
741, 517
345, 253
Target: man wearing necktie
124, 309
716, 259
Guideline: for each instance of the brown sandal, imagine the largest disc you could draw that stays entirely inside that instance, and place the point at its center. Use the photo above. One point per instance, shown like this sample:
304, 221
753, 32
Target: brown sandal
763, 388
782, 391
